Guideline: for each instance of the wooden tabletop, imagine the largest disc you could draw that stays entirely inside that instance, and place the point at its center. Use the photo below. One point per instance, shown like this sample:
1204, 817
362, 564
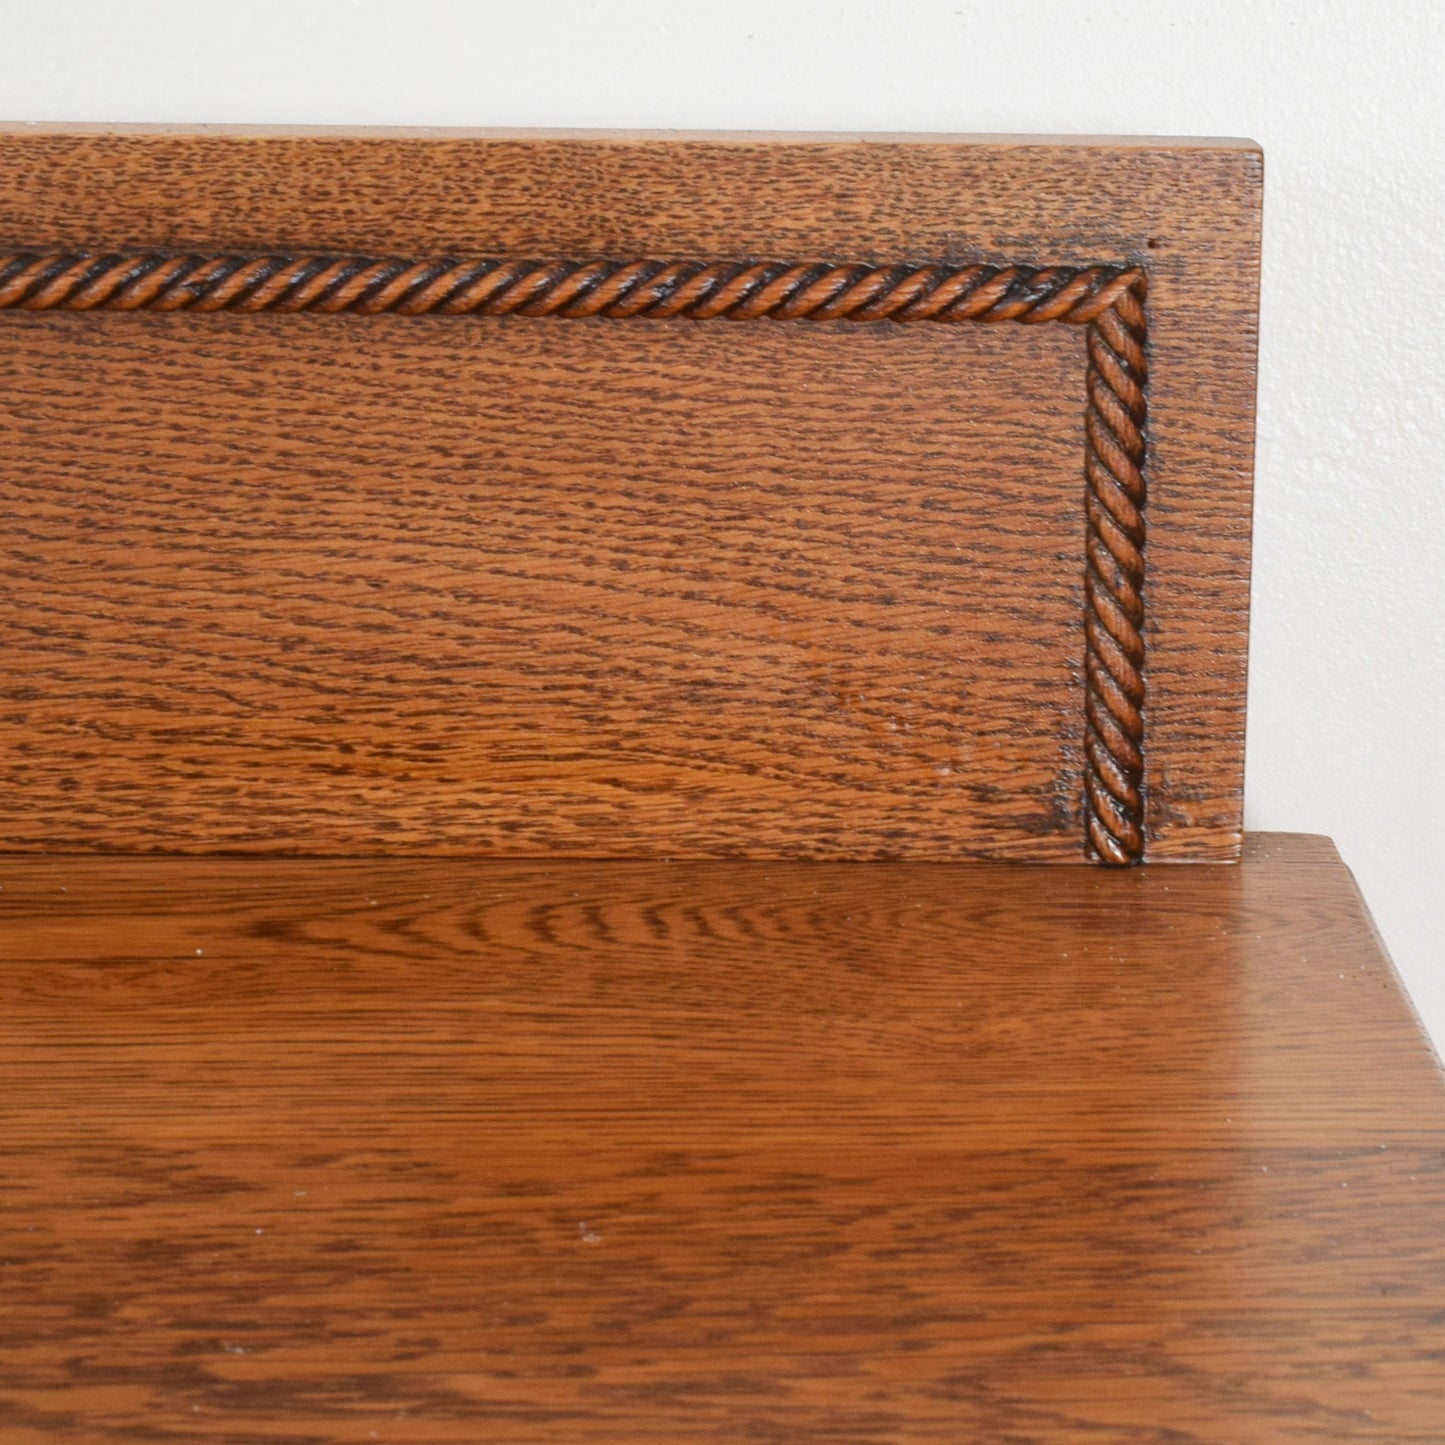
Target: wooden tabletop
424, 1151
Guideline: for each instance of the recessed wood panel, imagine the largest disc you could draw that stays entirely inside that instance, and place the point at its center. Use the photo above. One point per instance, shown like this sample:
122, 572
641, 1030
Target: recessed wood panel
334, 585
798, 571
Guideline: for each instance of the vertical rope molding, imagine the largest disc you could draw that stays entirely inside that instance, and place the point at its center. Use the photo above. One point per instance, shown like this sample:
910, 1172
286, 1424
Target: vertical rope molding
1114, 580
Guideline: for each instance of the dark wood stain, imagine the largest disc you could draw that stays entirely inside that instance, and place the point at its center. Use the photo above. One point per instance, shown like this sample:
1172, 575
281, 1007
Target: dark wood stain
392, 584
452, 1150
517, 1143
546, 595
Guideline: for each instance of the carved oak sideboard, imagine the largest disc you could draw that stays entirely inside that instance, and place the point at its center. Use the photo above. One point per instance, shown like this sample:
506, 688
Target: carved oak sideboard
579, 717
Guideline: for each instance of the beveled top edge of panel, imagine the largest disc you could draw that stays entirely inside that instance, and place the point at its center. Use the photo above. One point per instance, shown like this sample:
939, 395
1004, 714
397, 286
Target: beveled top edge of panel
619, 136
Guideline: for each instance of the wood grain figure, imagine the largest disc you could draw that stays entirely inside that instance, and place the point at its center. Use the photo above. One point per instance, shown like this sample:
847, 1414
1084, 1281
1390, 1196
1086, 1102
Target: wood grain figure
449, 1150
538, 673
325, 538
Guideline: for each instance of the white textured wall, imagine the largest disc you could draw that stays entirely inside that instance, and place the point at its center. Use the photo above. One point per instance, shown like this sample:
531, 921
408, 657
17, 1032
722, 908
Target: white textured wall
1347, 731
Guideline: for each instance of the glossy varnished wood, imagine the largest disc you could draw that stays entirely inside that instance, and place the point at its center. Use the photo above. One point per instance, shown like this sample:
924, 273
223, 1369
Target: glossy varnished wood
458, 1151
598, 587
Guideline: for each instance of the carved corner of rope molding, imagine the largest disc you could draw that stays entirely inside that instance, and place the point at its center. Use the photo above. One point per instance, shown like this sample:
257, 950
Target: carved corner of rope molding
1106, 299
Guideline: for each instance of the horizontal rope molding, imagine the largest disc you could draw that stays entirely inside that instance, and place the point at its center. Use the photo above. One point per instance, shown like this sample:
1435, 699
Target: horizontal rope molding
734, 290
1106, 299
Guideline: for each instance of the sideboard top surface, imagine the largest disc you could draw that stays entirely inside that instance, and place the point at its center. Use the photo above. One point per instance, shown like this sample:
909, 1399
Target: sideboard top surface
549, 1151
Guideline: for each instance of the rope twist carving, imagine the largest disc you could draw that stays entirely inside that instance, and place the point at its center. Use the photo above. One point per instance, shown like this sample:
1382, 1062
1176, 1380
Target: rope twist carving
1107, 300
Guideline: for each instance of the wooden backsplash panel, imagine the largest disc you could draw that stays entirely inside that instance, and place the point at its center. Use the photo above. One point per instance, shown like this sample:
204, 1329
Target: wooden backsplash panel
530, 584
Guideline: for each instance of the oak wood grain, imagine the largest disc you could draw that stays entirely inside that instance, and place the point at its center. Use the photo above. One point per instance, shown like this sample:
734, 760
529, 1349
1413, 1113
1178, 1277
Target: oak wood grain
609, 603
607, 588
445, 1150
